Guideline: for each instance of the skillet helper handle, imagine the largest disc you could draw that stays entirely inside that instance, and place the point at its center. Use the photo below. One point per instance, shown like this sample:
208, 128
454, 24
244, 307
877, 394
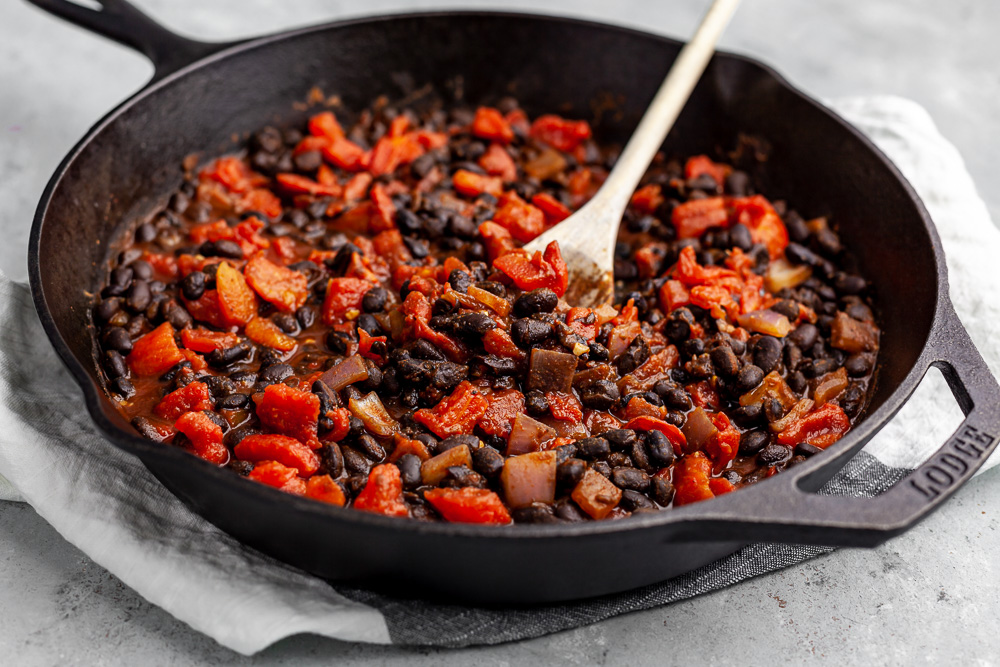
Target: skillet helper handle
124, 23
808, 518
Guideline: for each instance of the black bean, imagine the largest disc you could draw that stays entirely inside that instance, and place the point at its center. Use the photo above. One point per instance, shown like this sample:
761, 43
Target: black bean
286, 322
177, 315
232, 402
274, 373
633, 501
602, 468
787, 308
355, 462
527, 332
355, 483
228, 356
724, 360
630, 478
818, 367
193, 285
123, 387
338, 342
767, 353
774, 453
747, 415
798, 254
828, 242
306, 316
693, 347
797, 382
752, 442
331, 460
367, 322
536, 403
369, 446
640, 457
852, 400
540, 300
307, 161
114, 364
106, 309
773, 409
570, 472
621, 439
662, 491
244, 379
635, 355
116, 338
598, 352
138, 296
487, 461
142, 269
535, 513
593, 448
793, 356
462, 476
475, 324
122, 276
374, 300
661, 450
806, 449
618, 459
409, 470
145, 429
467, 439
859, 364
804, 336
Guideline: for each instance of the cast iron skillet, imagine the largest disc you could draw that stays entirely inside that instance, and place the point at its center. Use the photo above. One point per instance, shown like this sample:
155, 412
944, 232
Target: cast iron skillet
201, 94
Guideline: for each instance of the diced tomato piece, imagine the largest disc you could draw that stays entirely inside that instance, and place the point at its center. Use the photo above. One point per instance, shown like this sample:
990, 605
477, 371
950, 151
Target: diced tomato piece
498, 342
404, 446
561, 134
674, 434
384, 211
206, 309
455, 414
285, 249
290, 412
490, 124
191, 397
471, 184
237, 303
324, 489
765, 224
392, 152
553, 209
279, 476
583, 321
205, 340
722, 447
564, 407
713, 298
497, 239
344, 153
821, 427
693, 218
197, 361
383, 494
365, 343
343, 294
720, 485
273, 447
390, 247
673, 295
265, 332
418, 313
156, 352
648, 198
298, 184
310, 144
468, 505
504, 406
702, 164
233, 173
498, 162
341, 418
703, 395
204, 435
211, 231
245, 233
530, 272
260, 200
523, 220
285, 289
691, 479
357, 187
164, 266
325, 124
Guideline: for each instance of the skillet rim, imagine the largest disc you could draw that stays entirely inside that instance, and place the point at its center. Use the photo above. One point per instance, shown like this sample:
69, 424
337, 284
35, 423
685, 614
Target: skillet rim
725, 508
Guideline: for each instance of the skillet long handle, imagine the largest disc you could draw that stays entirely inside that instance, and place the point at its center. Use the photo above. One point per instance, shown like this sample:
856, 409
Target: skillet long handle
124, 23
793, 516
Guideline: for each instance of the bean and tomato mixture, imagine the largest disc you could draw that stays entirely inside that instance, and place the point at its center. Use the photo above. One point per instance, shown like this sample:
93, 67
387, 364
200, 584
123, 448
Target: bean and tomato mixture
344, 311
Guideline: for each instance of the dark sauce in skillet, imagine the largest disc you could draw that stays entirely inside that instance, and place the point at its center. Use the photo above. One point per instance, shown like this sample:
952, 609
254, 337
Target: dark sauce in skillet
343, 312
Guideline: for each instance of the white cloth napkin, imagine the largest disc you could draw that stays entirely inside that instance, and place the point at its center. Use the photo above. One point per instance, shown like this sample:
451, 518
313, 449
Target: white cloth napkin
104, 501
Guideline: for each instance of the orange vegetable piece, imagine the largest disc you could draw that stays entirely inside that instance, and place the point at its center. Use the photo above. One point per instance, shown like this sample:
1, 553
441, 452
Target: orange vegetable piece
343, 294
524, 221
648, 198
534, 271
383, 210
237, 303
279, 476
693, 218
691, 479
325, 124
232, 172
468, 505
456, 413
260, 200
206, 309
404, 446
298, 184
498, 342
497, 239
291, 412
272, 447
156, 352
504, 406
553, 209
821, 427
206, 340
702, 164
722, 447
561, 134
324, 489
490, 124
280, 286
383, 494
205, 437
498, 162
264, 331
673, 295
471, 184
191, 397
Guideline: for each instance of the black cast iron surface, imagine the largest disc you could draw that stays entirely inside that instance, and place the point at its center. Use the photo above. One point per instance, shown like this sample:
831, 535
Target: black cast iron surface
202, 94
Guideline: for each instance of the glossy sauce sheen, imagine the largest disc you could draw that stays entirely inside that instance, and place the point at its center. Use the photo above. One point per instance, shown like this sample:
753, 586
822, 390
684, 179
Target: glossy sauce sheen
391, 349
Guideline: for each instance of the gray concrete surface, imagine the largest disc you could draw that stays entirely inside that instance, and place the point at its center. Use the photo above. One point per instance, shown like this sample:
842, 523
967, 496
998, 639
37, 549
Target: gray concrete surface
932, 595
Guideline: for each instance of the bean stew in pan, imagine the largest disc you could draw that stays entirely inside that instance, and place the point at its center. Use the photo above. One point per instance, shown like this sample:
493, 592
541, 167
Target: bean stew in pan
343, 311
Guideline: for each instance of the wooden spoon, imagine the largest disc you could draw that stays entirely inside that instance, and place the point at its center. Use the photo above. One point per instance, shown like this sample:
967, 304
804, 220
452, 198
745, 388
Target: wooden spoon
587, 238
